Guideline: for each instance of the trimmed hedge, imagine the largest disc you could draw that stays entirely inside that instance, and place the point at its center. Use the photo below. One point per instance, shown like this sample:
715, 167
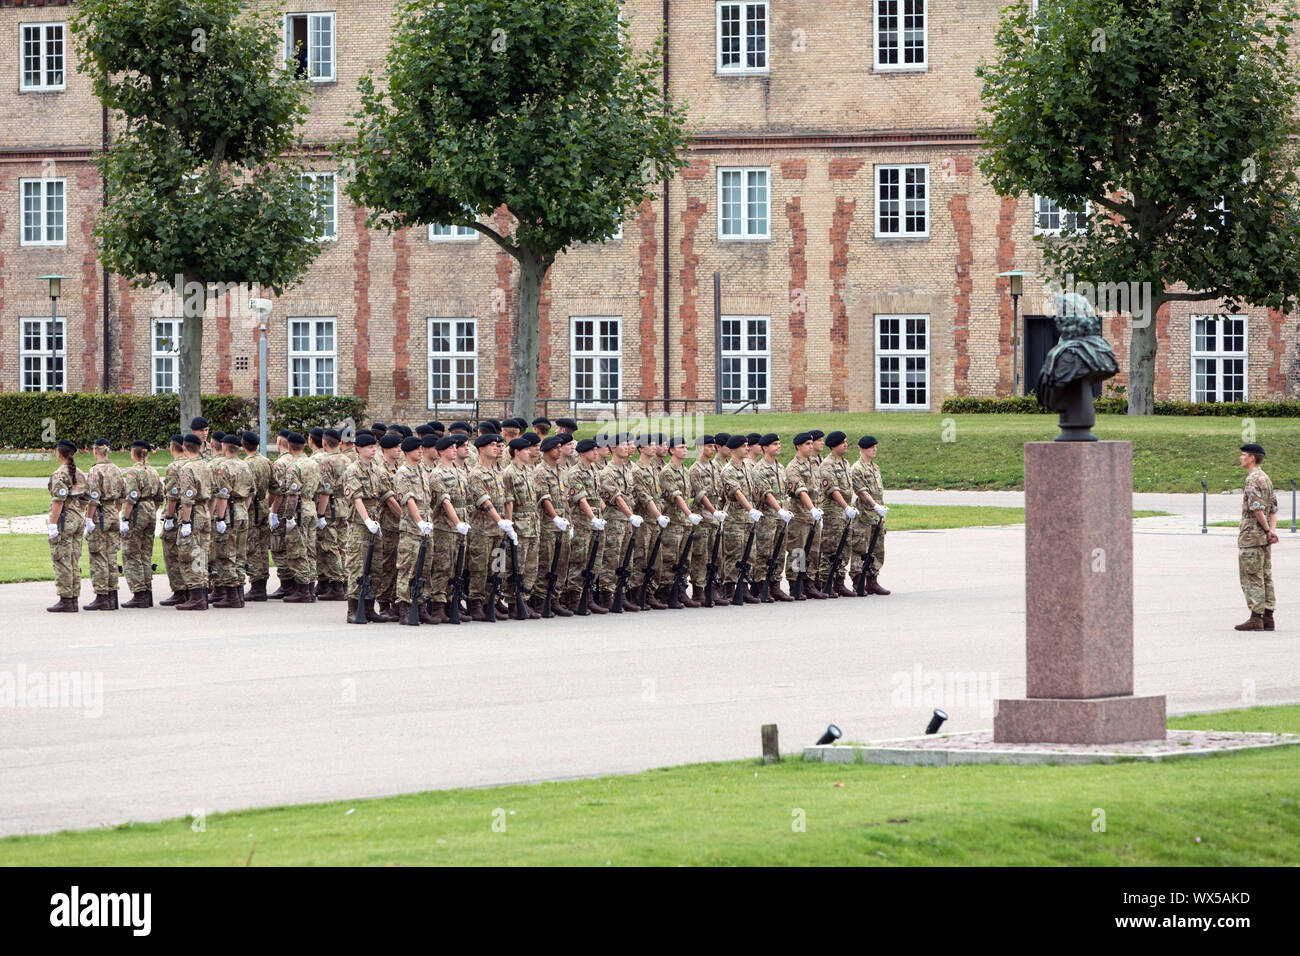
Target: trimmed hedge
1028, 405
40, 419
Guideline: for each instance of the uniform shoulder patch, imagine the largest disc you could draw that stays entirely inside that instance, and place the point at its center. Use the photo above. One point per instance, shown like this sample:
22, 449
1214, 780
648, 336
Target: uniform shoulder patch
135, 494
224, 491
189, 492
293, 486
175, 490
94, 494
63, 492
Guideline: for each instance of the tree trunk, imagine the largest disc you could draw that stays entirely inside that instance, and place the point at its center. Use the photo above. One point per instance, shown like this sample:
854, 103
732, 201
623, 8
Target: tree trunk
1142, 364
527, 337
191, 349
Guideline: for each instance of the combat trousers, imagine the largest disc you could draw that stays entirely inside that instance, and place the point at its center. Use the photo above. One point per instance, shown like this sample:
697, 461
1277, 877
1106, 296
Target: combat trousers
795, 539
485, 556
832, 528
229, 550
408, 552
670, 551
299, 559
137, 553
764, 543
645, 543
442, 563
859, 538
276, 547
172, 558
702, 552
329, 556
735, 532
547, 544
102, 544
191, 553
383, 567
355, 547
584, 539
65, 553
258, 543
611, 552
1255, 569
526, 555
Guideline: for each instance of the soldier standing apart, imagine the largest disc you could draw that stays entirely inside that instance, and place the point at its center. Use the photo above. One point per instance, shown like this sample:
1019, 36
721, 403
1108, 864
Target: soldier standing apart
68, 493
865, 475
298, 512
449, 504
192, 542
171, 490
582, 484
837, 498
279, 489
803, 488
234, 491
366, 486
738, 490
144, 492
521, 508
104, 486
487, 525
706, 494
553, 505
199, 427
675, 486
259, 530
1256, 534
618, 492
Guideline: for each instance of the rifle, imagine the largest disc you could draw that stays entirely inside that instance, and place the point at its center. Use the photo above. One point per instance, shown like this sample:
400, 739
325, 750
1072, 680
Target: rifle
742, 567
680, 569
711, 577
456, 582
417, 583
833, 573
494, 591
765, 589
366, 594
552, 576
623, 573
868, 562
801, 578
517, 579
588, 575
648, 570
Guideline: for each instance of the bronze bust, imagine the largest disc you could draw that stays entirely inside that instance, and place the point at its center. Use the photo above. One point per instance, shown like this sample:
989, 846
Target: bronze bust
1079, 359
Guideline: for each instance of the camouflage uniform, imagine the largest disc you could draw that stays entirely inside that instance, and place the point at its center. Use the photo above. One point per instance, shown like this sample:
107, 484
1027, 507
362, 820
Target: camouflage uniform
647, 492
582, 483
384, 566
65, 550
106, 490
144, 491
300, 543
171, 557
1254, 561
195, 482
834, 476
485, 539
552, 485
705, 478
408, 485
233, 481
280, 486
517, 479
768, 478
865, 476
259, 526
735, 530
449, 484
802, 475
615, 482
674, 480
329, 540
368, 481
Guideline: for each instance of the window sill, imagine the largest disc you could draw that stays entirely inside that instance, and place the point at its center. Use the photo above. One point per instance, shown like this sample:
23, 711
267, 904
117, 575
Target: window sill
43, 245
910, 68
896, 237
43, 89
744, 239
741, 74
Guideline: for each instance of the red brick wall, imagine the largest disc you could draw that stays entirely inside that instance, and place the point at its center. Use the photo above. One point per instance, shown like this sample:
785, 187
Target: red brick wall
798, 304
960, 212
648, 282
691, 214
838, 268
401, 320
361, 302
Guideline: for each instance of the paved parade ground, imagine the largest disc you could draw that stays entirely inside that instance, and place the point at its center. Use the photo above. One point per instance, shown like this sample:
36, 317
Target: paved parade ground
280, 704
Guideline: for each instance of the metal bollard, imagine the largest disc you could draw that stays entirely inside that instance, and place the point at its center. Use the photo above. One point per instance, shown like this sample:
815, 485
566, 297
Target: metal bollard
1205, 508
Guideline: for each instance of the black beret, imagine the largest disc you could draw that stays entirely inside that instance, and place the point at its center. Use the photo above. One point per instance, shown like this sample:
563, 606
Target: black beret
519, 444
551, 441
815, 433
192, 439
1253, 448
230, 438
657, 438
176, 440
802, 437
198, 424
675, 441
445, 442
293, 438
642, 441
429, 440
835, 439
438, 427
332, 434
496, 425
282, 433
253, 436
390, 439
540, 420
532, 438
736, 441
516, 423
706, 440
365, 439
565, 438
487, 438
586, 445
461, 439
721, 438
423, 430
141, 443
379, 427
403, 430
459, 427
566, 423
754, 438
317, 433
769, 438
218, 434
410, 443
102, 441
866, 441
67, 444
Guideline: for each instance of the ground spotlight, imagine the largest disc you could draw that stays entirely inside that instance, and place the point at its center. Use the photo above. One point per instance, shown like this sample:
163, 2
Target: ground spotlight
832, 734
936, 721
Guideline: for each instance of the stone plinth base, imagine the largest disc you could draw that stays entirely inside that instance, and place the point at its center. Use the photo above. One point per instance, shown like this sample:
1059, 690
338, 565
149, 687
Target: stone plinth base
1095, 720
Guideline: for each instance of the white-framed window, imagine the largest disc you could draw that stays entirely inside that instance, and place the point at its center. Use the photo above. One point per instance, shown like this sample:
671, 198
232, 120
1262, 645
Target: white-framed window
42, 354
309, 42
1218, 358
311, 356
902, 201
165, 355
440, 233
743, 203
41, 59
453, 361
44, 212
901, 30
595, 362
324, 190
1051, 220
746, 359
742, 37
903, 362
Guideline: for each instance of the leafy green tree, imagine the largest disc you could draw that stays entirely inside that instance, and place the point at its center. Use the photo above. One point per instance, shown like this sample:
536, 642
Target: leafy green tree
543, 108
1173, 119
201, 180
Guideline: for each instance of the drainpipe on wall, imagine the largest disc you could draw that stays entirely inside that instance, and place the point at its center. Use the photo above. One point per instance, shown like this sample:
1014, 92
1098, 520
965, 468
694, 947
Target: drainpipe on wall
667, 368
103, 144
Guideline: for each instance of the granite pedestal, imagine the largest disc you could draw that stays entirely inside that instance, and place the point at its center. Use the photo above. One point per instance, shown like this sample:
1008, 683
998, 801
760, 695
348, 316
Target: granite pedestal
1079, 602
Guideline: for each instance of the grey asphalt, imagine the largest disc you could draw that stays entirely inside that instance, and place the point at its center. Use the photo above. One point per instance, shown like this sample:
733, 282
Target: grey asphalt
284, 704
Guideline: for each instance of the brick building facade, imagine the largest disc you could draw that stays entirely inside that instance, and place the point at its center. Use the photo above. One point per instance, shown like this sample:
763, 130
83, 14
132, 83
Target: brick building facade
833, 186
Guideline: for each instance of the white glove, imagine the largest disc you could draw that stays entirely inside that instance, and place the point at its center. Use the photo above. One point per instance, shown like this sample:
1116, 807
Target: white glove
694, 518
882, 510
462, 528
274, 519
124, 526
662, 520
221, 526
506, 525
54, 531
513, 535
321, 523
426, 527
636, 521
559, 523
816, 514
290, 524
372, 526
850, 513
597, 523
755, 515
90, 526
719, 516
785, 515
570, 530
187, 529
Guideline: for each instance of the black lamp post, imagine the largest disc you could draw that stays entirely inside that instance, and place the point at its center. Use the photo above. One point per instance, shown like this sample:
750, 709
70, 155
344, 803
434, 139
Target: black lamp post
56, 287
1015, 286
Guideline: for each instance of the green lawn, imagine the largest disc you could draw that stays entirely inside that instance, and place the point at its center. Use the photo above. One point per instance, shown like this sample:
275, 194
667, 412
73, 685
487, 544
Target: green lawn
26, 557
16, 502
1235, 810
